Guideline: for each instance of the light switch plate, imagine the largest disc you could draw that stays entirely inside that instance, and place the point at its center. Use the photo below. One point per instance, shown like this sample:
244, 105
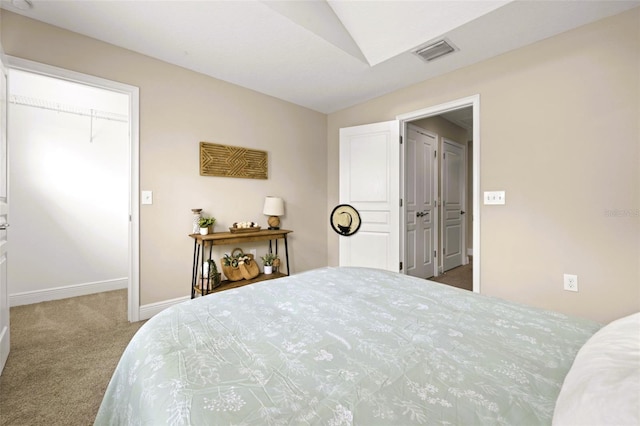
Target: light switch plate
147, 197
494, 197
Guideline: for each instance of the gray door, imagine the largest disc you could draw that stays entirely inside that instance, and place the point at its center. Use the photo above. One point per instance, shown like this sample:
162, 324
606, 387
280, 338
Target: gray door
453, 201
420, 195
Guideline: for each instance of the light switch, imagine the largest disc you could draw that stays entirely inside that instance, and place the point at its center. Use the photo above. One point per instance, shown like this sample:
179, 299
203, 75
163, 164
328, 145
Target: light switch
147, 197
494, 197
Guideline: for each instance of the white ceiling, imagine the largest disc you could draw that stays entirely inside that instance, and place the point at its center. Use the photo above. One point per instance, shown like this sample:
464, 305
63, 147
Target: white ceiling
324, 55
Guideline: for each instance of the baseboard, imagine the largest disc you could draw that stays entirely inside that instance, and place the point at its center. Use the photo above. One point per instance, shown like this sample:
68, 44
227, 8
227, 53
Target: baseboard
151, 309
37, 296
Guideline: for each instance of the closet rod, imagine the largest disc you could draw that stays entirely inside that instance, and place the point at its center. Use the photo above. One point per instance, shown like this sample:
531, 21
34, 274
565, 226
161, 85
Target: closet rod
51, 106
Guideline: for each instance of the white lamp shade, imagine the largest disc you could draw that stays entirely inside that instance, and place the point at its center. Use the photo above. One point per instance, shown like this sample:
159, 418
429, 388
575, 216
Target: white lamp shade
273, 206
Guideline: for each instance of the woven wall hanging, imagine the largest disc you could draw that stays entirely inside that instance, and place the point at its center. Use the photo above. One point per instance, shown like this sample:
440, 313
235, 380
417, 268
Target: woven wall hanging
232, 161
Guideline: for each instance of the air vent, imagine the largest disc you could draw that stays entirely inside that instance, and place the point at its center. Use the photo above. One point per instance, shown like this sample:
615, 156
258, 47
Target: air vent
435, 50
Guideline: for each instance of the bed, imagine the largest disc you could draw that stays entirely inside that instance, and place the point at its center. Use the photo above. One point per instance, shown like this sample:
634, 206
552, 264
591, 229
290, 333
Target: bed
346, 346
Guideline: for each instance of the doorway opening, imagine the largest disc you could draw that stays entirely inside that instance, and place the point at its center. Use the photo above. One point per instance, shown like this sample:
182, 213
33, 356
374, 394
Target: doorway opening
440, 166
76, 178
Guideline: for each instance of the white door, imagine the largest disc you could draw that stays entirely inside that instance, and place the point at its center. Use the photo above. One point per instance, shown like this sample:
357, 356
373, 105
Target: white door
4, 294
453, 203
370, 182
420, 194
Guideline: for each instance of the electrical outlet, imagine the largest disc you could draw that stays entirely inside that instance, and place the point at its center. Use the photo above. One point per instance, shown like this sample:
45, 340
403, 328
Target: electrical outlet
570, 282
253, 252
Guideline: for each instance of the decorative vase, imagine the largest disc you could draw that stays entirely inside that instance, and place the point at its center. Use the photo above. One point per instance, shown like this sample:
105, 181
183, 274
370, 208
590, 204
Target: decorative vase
204, 231
196, 218
268, 269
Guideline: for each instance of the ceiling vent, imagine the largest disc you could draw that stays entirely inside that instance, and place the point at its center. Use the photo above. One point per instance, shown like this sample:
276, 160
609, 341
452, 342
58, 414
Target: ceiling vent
435, 50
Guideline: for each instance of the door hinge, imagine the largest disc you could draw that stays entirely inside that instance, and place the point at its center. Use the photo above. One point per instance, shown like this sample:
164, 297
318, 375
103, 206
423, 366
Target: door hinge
400, 140
400, 202
401, 266
435, 154
435, 253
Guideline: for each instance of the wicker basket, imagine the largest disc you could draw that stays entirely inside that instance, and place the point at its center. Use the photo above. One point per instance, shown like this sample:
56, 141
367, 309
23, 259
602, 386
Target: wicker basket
249, 268
238, 269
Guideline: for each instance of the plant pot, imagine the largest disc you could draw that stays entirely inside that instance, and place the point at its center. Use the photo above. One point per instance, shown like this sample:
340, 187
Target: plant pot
204, 231
268, 269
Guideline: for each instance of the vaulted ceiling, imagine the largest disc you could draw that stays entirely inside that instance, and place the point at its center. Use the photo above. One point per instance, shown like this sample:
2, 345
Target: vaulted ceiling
322, 54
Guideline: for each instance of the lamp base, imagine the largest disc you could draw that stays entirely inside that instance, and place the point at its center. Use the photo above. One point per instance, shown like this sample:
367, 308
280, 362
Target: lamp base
274, 222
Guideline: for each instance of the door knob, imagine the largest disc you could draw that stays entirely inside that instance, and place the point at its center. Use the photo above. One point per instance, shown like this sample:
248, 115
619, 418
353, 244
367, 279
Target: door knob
3, 226
462, 212
420, 214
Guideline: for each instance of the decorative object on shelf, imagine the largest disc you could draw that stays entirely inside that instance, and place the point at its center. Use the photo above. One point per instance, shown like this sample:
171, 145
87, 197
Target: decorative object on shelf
197, 214
276, 264
205, 223
345, 220
244, 227
273, 207
238, 265
203, 242
232, 161
268, 260
248, 268
210, 272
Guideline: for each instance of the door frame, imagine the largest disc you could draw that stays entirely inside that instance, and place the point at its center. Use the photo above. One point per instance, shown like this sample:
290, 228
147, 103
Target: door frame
133, 295
473, 102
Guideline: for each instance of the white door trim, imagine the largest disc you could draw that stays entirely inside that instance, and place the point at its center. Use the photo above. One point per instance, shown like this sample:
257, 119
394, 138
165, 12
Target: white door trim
133, 311
474, 102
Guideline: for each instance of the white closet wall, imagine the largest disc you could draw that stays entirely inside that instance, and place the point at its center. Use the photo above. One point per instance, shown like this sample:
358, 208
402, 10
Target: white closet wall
68, 185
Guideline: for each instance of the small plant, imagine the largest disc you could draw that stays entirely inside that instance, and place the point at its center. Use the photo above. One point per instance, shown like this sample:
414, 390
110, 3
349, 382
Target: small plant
235, 259
206, 222
268, 259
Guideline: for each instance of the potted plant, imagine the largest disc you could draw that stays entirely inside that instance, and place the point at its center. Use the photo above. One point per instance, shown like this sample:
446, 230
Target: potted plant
205, 223
268, 260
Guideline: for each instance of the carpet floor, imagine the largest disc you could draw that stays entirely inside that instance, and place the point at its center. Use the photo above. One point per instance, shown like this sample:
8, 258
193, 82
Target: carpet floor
62, 356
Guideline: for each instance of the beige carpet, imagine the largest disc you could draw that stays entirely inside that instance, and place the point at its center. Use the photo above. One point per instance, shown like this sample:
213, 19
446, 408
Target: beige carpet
62, 356
461, 277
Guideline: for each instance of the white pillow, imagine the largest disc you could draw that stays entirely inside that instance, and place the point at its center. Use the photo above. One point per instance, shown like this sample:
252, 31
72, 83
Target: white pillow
603, 384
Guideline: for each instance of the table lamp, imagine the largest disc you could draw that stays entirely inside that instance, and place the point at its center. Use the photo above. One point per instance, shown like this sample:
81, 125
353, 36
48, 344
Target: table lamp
273, 207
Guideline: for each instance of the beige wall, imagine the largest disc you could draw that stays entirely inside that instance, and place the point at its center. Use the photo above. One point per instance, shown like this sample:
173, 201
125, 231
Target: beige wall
560, 133
559, 127
178, 109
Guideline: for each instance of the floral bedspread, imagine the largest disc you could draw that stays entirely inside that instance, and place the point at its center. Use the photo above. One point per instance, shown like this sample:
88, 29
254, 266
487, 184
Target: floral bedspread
344, 346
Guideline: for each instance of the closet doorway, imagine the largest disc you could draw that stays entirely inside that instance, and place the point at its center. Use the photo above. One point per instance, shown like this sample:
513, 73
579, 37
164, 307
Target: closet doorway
73, 190
438, 173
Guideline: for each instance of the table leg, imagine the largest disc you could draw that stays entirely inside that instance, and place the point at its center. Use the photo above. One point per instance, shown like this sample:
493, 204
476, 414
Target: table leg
209, 271
286, 252
194, 272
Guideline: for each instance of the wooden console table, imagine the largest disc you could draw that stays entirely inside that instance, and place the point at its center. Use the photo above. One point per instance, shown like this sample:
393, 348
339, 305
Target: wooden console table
228, 238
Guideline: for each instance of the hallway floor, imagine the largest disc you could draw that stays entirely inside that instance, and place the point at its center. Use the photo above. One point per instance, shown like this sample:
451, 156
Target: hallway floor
461, 277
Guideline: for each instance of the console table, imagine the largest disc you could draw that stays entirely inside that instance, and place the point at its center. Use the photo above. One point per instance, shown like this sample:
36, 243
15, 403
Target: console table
228, 238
